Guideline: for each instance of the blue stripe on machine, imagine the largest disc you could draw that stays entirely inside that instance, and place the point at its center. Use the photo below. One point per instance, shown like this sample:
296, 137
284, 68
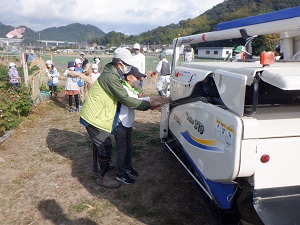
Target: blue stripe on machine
263, 18
190, 140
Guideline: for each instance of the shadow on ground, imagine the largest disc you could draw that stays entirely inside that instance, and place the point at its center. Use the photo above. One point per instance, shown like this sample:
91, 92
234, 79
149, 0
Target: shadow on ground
53, 212
163, 193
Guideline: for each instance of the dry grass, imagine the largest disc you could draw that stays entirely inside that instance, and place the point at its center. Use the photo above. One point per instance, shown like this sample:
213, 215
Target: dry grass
47, 179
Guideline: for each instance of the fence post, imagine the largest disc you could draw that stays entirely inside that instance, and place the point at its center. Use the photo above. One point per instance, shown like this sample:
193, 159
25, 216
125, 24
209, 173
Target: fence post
25, 69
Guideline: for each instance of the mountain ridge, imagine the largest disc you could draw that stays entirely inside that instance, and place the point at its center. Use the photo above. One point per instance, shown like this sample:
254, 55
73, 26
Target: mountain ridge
74, 32
206, 22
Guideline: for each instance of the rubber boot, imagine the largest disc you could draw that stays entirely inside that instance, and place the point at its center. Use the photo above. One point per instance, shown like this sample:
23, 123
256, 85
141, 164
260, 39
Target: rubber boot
95, 165
111, 165
103, 178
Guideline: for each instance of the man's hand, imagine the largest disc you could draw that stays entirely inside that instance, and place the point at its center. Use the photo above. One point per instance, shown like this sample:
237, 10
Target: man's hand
154, 105
155, 98
155, 102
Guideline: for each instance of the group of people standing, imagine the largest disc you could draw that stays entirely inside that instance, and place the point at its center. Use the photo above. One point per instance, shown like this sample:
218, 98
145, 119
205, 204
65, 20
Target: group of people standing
114, 92
75, 86
163, 68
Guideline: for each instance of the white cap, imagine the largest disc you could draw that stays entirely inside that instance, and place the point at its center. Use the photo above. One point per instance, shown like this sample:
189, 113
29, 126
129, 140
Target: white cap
94, 66
49, 62
125, 55
82, 53
136, 46
78, 61
11, 64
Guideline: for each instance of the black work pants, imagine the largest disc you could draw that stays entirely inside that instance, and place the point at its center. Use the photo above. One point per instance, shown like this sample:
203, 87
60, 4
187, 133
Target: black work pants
123, 137
101, 139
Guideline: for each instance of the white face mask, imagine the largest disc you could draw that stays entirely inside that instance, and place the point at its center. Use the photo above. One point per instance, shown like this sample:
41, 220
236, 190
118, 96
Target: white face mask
95, 70
126, 69
49, 65
97, 60
71, 68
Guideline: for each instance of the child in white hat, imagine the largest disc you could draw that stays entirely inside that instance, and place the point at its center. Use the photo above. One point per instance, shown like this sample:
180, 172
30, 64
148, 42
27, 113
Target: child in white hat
71, 87
14, 77
52, 74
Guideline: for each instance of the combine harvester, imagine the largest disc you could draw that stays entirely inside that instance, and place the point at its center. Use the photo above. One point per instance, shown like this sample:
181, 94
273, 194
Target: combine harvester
235, 126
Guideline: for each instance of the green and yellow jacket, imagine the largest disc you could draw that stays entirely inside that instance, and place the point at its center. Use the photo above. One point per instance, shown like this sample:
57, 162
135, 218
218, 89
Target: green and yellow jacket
100, 106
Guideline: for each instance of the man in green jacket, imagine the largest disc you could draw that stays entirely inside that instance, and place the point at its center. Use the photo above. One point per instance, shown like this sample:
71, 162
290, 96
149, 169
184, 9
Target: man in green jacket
100, 112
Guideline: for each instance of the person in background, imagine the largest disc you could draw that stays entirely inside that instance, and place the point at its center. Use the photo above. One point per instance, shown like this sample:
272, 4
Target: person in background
26, 55
123, 135
13, 74
240, 53
164, 70
100, 112
71, 87
84, 61
93, 75
52, 74
98, 62
31, 56
95, 72
139, 59
80, 82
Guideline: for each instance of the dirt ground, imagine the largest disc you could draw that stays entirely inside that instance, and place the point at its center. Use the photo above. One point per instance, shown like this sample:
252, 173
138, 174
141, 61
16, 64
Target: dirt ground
46, 177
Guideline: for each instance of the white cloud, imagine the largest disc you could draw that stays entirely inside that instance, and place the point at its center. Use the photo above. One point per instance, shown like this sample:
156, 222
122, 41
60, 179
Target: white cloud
127, 16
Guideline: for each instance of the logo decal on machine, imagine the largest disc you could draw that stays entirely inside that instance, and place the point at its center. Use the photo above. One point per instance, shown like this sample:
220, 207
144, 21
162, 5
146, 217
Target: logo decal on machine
187, 40
205, 144
196, 123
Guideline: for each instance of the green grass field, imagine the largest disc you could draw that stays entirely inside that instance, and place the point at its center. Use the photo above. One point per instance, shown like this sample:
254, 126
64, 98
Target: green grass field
151, 61
60, 60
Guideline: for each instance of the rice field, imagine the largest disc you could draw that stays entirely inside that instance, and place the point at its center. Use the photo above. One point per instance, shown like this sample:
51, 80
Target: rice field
61, 60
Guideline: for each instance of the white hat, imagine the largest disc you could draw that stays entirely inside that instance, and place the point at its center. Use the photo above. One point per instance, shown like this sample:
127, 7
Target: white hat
125, 55
136, 46
11, 64
94, 66
82, 53
49, 62
78, 61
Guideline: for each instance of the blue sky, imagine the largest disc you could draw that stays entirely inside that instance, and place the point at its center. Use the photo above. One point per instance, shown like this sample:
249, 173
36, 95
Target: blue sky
126, 16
